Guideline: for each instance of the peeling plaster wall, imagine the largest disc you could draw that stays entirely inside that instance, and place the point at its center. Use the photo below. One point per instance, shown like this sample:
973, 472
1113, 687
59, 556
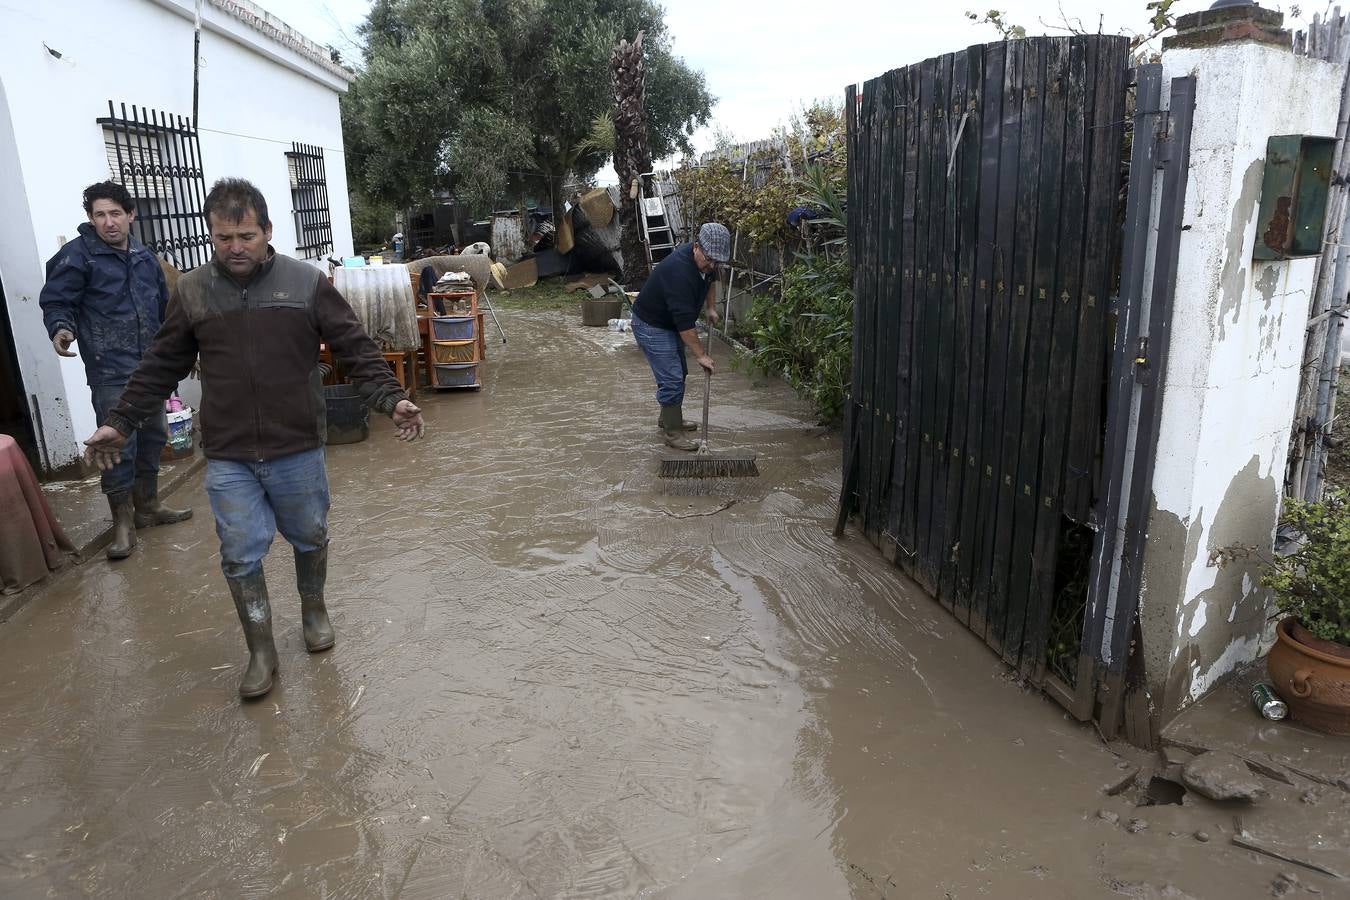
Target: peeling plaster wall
1237, 341
256, 97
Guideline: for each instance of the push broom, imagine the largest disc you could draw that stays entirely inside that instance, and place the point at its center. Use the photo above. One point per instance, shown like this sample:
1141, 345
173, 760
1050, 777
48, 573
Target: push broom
704, 463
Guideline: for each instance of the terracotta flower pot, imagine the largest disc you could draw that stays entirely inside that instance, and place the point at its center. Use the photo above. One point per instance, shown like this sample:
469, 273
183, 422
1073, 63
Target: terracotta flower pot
1312, 676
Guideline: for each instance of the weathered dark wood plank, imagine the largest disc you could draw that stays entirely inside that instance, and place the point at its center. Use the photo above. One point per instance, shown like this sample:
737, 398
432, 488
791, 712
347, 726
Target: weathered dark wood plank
876, 123
984, 487
1001, 367
1102, 249
967, 407
903, 237
944, 296
910, 237
886, 373
1018, 496
865, 302
894, 166
1023, 602
1063, 339
926, 321
957, 295
859, 351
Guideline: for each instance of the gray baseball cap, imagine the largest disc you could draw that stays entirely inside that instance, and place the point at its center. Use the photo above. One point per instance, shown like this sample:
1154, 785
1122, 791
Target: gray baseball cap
715, 240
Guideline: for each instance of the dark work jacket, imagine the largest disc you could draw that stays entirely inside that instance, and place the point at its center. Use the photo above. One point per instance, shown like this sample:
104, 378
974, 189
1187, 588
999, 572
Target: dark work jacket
674, 293
113, 301
262, 395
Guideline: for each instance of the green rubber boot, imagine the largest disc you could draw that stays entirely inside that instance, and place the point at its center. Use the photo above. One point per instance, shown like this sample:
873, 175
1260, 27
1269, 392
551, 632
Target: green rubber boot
311, 571
685, 424
255, 614
149, 511
672, 426
124, 526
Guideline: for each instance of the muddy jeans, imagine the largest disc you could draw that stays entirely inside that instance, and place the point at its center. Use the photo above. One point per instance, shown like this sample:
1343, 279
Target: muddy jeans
252, 501
665, 354
140, 454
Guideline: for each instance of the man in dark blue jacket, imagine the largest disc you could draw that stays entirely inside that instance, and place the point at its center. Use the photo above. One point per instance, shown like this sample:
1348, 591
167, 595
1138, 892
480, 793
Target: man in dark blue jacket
107, 292
663, 322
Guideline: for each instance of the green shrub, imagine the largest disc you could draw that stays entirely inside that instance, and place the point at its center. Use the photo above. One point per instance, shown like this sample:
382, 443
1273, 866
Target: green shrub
717, 192
1313, 583
806, 334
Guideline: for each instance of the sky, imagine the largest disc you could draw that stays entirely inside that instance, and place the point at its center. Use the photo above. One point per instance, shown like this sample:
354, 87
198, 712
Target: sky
765, 59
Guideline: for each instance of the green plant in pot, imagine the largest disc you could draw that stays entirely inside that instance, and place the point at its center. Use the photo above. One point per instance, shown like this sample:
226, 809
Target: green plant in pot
1310, 662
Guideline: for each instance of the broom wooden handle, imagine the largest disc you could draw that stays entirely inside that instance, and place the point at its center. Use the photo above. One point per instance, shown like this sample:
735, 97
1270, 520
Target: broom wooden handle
707, 387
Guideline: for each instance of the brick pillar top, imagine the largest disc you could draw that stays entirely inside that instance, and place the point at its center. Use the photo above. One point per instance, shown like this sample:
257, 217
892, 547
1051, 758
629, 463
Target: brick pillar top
1230, 24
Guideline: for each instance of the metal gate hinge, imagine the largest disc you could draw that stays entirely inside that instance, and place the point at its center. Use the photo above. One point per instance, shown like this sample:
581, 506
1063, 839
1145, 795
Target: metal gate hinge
1162, 136
1141, 359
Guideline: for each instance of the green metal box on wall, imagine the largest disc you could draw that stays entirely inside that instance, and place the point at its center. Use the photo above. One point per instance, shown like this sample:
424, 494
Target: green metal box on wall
1294, 196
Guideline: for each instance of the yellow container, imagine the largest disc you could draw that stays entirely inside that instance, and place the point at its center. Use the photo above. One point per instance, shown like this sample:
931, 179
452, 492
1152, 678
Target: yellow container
450, 352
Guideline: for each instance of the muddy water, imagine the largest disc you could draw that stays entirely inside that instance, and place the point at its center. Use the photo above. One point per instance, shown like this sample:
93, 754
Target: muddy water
554, 678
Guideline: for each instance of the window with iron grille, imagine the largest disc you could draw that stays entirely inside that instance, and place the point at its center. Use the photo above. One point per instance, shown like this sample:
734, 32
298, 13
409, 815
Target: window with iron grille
157, 158
309, 201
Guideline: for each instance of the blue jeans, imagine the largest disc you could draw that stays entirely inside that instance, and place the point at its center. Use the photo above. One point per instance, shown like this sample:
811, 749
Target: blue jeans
253, 500
665, 354
140, 455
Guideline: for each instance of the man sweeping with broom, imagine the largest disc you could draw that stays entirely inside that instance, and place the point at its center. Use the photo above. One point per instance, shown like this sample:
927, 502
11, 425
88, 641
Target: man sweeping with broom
663, 322
664, 316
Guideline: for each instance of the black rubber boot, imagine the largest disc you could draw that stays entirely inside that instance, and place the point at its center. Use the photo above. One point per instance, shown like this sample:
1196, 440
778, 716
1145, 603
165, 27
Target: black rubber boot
311, 571
685, 424
672, 426
255, 614
124, 526
149, 511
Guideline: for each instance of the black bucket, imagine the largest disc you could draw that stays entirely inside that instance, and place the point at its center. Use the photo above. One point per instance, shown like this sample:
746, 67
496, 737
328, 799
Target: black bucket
348, 415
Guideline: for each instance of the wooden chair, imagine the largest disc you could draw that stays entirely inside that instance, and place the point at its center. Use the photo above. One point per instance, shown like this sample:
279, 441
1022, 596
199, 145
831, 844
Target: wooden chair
402, 363
405, 370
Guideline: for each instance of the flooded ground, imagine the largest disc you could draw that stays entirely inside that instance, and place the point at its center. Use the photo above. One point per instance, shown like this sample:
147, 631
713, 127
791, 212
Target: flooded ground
553, 678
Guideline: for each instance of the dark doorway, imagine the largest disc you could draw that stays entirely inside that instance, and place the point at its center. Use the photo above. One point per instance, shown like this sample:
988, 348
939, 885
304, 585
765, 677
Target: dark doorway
15, 420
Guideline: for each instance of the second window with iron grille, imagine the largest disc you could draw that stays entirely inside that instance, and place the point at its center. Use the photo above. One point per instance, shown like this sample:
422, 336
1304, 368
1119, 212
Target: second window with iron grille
309, 201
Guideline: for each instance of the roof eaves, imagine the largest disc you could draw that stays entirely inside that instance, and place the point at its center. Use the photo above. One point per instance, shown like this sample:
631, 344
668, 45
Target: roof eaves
269, 25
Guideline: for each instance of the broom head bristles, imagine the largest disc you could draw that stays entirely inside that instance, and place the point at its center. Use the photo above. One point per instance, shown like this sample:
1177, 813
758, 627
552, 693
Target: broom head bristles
710, 465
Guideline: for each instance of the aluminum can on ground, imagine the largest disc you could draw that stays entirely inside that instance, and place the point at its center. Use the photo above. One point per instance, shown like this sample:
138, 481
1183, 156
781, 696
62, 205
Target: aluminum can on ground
1269, 705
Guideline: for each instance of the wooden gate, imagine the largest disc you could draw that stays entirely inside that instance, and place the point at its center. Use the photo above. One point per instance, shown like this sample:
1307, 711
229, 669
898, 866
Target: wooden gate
984, 188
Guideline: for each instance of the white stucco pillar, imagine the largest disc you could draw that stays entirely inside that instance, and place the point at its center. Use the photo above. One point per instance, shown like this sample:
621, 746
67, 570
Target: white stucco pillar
1232, 374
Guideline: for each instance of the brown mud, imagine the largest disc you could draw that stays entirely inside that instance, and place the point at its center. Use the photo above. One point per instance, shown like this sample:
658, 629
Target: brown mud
553, 678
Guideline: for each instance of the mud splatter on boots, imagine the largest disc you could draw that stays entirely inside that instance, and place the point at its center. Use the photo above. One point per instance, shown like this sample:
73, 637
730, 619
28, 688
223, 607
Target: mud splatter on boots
672, 426
124, 526
255, 614
311, 571
149, 511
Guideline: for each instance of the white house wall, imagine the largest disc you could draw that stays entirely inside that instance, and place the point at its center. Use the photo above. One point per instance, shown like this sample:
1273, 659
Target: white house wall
1233, 371
256, 98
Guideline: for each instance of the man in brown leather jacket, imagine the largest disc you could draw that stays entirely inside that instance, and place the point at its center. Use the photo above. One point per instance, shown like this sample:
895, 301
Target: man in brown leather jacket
256, 317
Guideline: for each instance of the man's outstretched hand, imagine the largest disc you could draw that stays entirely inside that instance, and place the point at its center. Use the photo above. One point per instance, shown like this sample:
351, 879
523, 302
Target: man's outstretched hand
104, 447
408, 421
61, 342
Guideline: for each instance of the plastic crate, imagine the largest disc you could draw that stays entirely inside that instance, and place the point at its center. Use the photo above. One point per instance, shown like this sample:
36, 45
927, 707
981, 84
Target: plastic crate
454, 351
457, 376
598, 312
452, 328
